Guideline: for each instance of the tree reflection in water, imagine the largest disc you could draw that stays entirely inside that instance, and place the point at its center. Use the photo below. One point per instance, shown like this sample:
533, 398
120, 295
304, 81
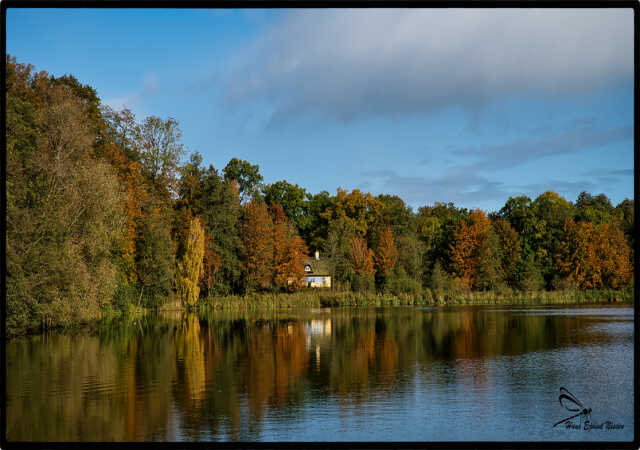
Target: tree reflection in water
216, 375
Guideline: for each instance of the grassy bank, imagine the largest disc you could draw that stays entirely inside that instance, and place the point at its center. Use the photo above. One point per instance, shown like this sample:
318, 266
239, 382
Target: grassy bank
325, 298
317, 299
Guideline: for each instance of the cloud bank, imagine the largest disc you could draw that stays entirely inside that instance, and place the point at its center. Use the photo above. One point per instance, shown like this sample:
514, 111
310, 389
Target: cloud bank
353, 64
522, 151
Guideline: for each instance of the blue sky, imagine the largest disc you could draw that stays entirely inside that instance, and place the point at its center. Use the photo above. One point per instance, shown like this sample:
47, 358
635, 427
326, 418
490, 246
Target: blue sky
468, 106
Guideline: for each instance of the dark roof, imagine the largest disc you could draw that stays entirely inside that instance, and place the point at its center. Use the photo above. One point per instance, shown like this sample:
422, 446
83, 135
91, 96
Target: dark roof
319, 267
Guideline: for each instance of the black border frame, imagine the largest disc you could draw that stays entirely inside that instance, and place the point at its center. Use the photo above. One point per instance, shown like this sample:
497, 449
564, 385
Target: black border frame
226, 4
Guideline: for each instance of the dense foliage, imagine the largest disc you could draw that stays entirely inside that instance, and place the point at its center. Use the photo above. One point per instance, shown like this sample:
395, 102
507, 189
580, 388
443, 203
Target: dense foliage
104, 212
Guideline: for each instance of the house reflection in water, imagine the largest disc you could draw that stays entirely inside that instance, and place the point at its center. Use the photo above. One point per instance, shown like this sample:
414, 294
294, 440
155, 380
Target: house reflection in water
318, 330
319, 327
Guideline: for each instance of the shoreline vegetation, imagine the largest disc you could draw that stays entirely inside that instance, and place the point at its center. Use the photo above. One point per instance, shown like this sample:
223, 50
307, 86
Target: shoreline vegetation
107, 216
367, 299
272, 302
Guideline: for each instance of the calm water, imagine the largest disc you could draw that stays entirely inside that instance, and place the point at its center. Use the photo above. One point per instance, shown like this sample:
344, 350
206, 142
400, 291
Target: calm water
464, 373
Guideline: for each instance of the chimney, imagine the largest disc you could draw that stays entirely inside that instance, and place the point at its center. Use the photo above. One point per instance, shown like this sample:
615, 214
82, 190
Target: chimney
317, 255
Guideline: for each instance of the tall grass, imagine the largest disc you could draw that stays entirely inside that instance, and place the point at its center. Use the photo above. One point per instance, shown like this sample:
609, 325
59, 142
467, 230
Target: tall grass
326, 298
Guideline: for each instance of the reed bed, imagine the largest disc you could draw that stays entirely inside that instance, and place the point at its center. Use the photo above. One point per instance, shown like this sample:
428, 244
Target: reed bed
326, 298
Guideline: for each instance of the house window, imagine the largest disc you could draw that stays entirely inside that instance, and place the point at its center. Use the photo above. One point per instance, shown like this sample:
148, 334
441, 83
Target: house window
307, 268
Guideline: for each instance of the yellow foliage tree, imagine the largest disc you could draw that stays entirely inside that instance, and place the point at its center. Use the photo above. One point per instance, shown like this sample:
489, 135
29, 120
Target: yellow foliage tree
190, 266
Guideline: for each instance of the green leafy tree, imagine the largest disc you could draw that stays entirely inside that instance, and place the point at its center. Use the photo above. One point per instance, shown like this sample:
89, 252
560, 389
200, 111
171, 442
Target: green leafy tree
551, 211
292, 198
436, 226
625, 220
596, 210
411, 251
489, 271
529, 274
519, 212
160, 153
155, 258
221, 213
63, 207
336, 248
396, 214
509, 246
318, 225
247, 176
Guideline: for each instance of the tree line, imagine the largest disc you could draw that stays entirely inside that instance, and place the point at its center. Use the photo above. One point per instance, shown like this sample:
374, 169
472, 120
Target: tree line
104, 212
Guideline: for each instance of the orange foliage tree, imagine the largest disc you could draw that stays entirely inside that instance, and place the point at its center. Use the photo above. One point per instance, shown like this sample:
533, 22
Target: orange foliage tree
594, 256
467, 245
257, 239
132, 182
615, 255
387, 254
289, 251
361, 257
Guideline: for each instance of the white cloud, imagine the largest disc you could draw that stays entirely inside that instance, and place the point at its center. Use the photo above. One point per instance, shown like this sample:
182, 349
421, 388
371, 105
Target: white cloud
150, 84
349, 64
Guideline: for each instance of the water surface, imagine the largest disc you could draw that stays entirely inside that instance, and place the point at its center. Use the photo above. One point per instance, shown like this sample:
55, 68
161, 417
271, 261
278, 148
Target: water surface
385, 374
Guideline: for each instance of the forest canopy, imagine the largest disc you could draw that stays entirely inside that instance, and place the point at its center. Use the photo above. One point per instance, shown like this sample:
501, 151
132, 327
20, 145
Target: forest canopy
104, 212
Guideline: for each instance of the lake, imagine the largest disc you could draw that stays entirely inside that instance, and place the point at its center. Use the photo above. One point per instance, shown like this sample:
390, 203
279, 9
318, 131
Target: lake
341, 374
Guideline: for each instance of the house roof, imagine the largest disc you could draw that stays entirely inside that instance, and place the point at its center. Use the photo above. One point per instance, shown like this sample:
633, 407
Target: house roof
319, 267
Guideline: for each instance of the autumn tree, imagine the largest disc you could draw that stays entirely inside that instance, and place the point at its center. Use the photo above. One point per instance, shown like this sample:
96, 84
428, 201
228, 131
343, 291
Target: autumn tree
204, 193
615, 256
120, 151
594, 256
362, 262
189, 269
63, 207
257, 243
473, 251
362, 211
386, 254
289, 251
